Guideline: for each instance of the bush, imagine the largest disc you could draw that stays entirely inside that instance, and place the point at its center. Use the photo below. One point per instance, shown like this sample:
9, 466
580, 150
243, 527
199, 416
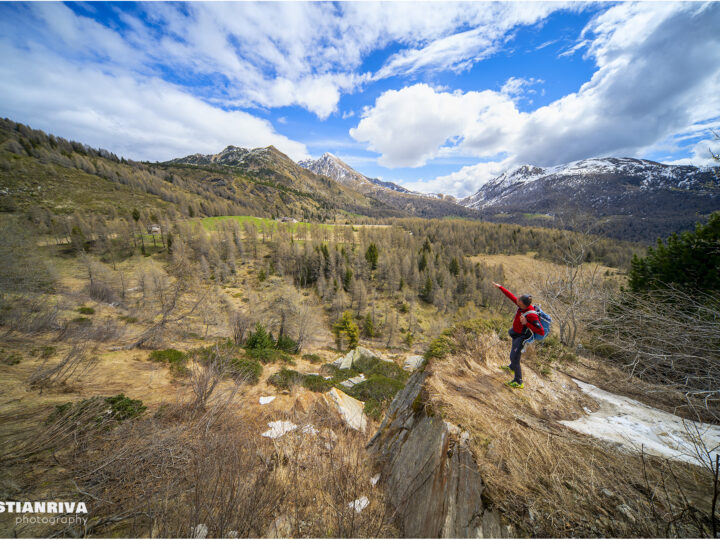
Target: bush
128, 319
47, 351
269, 356
86, 310
81, 321
312, 358
250, 370
374, 409
10, 358
285, 378
259, 339
121, 408
378, 387
439, 348
287, 344
171, 356
176, 359
124, 408
345, 327
316, 383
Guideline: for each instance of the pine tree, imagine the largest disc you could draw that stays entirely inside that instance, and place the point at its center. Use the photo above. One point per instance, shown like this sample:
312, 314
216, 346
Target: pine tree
371, 256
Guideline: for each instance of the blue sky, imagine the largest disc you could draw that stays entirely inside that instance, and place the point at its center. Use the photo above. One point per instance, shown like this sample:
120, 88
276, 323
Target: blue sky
436, 97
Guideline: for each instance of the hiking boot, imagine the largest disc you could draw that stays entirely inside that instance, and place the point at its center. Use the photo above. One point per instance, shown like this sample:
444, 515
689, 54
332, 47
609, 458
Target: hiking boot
515, 384
508, 368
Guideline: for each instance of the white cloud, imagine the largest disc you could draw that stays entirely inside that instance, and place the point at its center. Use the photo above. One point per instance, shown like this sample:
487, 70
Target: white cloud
658, 74
137, 118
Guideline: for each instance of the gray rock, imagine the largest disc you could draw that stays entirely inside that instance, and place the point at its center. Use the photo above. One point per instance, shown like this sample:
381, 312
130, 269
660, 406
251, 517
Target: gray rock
413, 362
431, 475
349, 383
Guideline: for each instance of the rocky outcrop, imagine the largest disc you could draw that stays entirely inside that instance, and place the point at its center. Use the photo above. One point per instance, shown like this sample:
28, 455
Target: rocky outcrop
430, 472
413, 362
350, 409
355, 355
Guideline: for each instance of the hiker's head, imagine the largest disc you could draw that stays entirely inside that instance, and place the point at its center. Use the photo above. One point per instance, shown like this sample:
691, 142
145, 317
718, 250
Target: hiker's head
524, 301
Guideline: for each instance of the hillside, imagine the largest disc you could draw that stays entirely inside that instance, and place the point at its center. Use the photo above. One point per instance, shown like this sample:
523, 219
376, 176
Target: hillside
625, 198
44, 172
389, 193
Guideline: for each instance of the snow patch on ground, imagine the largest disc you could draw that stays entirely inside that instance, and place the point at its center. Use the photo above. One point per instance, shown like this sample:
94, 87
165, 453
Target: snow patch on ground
359, 504
279, 428
264, 400
634, 425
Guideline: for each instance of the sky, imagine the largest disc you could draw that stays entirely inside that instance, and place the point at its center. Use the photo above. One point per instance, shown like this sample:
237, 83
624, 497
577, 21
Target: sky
438, 97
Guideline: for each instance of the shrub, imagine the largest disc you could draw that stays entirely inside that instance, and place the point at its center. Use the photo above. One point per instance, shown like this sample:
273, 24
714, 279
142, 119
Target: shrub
285, 378
128, 319
312, 358
259, 339
377, 387
47, 351
269, 356
86, 310
124, 408
439, 348
10, 358
316, 383
250, 370
346, 327
176, 359
81, 321
170, 356
287, 344
374, 409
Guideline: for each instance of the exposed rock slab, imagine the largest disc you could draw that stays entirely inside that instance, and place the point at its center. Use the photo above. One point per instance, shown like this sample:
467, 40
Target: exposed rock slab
430, 472
347, 361
349, 383
351, 410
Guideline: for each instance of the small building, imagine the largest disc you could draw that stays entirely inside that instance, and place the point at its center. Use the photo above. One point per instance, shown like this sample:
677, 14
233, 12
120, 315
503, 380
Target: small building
286, 219
154, 229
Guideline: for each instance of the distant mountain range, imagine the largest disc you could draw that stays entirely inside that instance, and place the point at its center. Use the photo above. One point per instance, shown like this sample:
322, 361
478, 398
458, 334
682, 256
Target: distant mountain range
626, 198
335, 168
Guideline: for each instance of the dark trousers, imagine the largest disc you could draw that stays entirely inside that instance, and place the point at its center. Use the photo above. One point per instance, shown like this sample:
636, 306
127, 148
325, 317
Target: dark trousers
518, 341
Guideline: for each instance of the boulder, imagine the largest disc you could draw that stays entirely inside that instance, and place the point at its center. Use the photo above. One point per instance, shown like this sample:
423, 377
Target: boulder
430, 472
349, 408
349, 383
413, 362
278, 429
347, 361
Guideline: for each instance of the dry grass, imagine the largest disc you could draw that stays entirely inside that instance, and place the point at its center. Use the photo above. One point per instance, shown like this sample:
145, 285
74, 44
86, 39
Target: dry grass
543, 476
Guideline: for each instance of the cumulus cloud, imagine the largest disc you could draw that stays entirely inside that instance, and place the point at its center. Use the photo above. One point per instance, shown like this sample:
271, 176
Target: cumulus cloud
146, 118
658, 74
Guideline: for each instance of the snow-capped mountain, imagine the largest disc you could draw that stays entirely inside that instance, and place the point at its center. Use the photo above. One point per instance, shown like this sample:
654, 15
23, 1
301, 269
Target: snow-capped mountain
419, 204
335, 168
631, 197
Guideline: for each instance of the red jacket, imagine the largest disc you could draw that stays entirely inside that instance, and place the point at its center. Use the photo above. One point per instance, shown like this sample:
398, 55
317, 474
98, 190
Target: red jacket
533, 321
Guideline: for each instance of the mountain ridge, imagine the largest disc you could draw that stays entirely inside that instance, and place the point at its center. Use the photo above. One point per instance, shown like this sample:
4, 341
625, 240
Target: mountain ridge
629, 198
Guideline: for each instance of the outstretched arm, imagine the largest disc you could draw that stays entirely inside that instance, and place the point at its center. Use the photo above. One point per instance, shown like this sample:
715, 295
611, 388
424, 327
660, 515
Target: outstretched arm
507, 293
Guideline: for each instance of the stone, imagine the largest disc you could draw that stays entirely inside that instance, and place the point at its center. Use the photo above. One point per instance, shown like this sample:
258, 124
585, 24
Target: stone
375, 479
430, 473
264, 400
624, 509
350, 409
413, 362
349, 383
345, 362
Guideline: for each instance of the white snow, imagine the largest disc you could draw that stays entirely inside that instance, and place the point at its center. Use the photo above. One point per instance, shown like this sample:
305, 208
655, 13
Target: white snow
375, 479
279, 428
635, 425
264, 400
359, 504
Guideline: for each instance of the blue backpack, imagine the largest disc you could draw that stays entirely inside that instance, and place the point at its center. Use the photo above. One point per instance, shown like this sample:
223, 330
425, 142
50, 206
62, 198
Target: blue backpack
545, 322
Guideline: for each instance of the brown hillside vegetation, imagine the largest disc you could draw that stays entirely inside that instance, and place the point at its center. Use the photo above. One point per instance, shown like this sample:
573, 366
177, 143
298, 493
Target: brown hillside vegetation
546, 479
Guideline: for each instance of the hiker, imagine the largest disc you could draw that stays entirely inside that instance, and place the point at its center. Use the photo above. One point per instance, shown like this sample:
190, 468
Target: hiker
525, 326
